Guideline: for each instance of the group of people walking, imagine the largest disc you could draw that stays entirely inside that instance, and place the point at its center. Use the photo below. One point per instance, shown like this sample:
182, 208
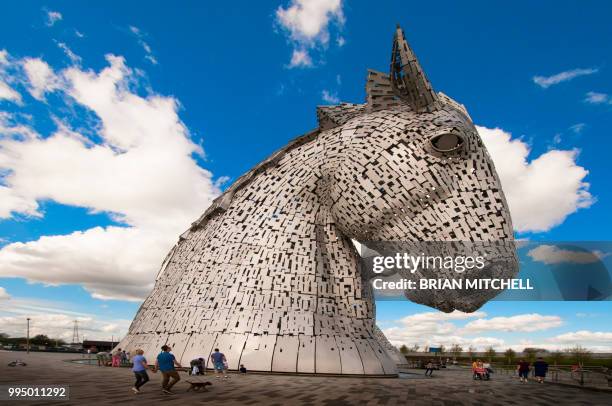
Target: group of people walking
540, 368
167, 363
120, 357
115, 359
481, 370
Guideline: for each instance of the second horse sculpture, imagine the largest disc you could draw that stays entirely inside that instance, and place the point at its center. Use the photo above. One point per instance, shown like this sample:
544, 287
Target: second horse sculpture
269, 274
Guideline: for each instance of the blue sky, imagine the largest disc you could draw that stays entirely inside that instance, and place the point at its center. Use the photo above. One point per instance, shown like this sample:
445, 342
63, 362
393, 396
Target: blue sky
242, 80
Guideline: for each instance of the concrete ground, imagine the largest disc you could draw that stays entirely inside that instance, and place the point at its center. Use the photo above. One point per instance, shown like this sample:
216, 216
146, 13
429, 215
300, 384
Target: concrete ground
92, 385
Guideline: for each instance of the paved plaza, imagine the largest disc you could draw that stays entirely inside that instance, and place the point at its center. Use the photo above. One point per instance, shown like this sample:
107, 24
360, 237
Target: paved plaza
92, 385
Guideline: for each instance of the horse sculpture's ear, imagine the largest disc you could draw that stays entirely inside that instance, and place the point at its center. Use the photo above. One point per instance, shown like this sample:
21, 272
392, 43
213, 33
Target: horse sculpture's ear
408, 80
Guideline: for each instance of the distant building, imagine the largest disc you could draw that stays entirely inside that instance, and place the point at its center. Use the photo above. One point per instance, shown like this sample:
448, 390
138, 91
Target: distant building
97, 346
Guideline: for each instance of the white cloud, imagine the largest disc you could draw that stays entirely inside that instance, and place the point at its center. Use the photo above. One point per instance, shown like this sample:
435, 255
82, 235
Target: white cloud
53, 17
6, 91
74, 58
551, 254
539, 199
53, 325
4, 294
61, 326
340, 41
23, 306
434, 328
41, 78
151, 59
110, 328
583, 337
483, 343
307, 22
429, 317
127, 175
437, 328
577, 128
112, 262
145, 46
300, 58
522, 323
436, 323
540, 344
11, 202
9, 127
56, 320
582, 314
435, 335
597, 98
329, 97
547, 81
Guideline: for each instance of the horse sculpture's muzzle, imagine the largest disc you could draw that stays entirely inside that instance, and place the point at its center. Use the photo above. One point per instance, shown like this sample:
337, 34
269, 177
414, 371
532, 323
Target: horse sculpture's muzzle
468, 266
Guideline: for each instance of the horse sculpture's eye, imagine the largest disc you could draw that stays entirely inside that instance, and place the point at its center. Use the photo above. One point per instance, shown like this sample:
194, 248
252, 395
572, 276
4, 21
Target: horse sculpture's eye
446, 142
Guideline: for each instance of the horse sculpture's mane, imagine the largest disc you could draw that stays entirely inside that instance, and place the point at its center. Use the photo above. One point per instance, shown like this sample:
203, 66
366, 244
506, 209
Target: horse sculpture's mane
328, 117
221, 203
381, 94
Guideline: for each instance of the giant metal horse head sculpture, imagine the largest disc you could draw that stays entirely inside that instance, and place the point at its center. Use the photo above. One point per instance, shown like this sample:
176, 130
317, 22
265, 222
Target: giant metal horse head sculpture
269, 275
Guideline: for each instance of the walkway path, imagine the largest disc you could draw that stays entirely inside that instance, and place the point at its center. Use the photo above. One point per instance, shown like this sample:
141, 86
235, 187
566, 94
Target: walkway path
92, 385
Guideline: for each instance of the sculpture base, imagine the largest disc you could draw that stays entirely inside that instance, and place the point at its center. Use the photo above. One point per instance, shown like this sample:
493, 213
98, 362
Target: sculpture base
287, 354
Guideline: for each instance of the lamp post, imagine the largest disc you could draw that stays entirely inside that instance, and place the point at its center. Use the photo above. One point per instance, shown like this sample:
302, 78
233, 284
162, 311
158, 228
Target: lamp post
28, 337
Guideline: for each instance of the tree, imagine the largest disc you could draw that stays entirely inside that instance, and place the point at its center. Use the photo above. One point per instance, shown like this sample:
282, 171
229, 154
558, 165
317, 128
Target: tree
404, 350
3, 336
456, 350
442, 350
40, 339
414, 348
490, 353
530, 353
580, 353
471, 352
556, 357
510, 355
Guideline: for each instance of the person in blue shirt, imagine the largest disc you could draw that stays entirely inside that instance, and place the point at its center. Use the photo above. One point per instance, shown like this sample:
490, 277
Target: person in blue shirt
140, 370
165, 363
540, 368
219, 363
